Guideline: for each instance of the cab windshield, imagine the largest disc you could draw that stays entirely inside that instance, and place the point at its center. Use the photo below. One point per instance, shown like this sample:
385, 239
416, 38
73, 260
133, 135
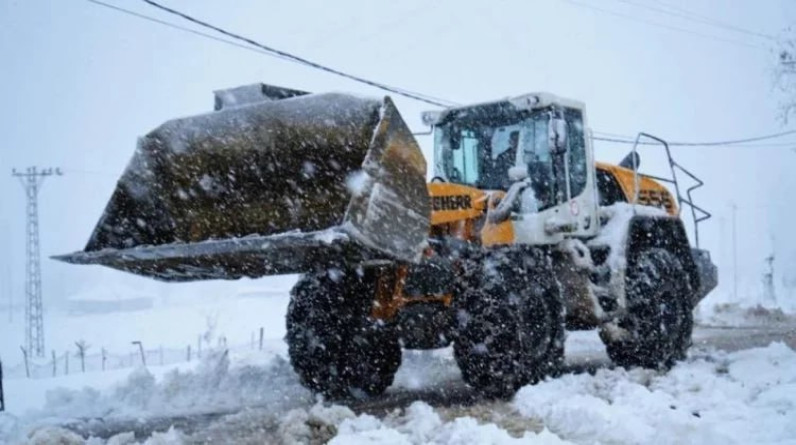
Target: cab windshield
478, 146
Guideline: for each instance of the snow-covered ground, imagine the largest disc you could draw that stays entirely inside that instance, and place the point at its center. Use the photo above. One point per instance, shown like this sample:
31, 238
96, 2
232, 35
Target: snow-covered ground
743, 397
747, 396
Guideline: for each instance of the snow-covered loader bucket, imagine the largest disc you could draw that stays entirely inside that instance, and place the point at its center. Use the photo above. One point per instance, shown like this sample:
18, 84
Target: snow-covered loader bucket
270, 187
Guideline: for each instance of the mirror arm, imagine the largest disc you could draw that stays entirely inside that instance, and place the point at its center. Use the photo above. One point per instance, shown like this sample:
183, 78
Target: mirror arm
502, 211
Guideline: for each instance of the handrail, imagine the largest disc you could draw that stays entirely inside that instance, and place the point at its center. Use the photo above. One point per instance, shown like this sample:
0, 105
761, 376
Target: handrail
674, 167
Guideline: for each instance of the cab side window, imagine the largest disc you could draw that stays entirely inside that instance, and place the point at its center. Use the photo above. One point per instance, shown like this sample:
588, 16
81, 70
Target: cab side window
578, 170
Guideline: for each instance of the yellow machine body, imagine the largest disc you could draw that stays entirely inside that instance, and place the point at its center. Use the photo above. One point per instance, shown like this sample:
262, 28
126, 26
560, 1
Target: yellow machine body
459, 211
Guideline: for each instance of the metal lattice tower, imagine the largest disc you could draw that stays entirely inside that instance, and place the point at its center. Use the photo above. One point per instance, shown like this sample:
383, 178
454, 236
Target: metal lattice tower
32, 181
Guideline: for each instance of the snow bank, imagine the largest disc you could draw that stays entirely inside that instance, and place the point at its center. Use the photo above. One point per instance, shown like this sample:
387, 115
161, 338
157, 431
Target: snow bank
56, 435
736, 315
422, 425
743, 397
214, 386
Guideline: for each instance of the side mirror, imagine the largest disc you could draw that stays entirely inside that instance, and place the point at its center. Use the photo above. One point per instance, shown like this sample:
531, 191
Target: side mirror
557, 134
631, 161
518, 173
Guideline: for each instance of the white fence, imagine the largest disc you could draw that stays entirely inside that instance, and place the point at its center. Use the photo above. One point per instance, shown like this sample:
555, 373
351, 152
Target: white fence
93, 360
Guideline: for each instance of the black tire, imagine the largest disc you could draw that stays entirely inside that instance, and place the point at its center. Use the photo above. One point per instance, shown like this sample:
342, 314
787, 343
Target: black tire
510, 323
335, 346
659, 320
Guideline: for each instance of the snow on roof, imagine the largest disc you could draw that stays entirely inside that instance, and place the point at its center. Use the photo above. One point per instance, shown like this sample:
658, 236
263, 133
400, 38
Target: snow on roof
528, 101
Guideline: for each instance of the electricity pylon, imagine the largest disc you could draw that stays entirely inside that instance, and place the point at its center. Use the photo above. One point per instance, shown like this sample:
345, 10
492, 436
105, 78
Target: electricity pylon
31, 181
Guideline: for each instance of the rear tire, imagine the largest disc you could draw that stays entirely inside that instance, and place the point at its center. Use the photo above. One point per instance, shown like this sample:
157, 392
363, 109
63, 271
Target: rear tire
335, 346
510, 323
659, 320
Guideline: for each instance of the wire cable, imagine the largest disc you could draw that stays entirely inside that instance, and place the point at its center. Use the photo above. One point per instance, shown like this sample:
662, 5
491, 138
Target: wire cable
421, 97
662, 25
400, 91
683, 14
181, 28
705, 17
628, 140
263, 49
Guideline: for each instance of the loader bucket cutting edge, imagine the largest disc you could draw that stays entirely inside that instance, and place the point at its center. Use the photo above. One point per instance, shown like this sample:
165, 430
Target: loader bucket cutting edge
267, 188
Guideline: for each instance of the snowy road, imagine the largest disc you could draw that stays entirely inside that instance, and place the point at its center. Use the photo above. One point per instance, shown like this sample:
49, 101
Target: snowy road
431, 377
589, 357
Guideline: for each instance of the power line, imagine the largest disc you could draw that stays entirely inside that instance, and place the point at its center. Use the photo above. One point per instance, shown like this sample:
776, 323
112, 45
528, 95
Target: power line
629, 140
421, 97
303, 61
181, 28
705, 17
687, 15
263, 49
662, 25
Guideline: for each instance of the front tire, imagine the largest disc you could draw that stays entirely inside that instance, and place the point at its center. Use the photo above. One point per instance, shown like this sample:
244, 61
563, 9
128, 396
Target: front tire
656, 331
334, 344
510, 323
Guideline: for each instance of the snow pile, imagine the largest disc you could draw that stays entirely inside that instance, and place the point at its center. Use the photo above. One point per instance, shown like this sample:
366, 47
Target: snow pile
422, 425
735, 315
49, 435
316, 425
213, 387
743, 397
55, 435
427, 369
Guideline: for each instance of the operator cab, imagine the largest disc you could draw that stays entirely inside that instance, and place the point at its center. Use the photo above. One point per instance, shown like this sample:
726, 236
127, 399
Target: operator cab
538, 135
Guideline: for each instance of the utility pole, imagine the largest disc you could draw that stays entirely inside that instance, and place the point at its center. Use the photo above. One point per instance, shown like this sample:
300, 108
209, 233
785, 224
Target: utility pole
10, 290
769, 293
734, 253
32, 180
8, 287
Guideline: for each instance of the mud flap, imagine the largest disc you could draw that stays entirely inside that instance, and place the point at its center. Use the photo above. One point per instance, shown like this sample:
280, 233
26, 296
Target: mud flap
669, 233
707, 271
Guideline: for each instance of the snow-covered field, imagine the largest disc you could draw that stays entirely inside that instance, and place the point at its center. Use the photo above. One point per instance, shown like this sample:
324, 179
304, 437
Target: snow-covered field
253, 396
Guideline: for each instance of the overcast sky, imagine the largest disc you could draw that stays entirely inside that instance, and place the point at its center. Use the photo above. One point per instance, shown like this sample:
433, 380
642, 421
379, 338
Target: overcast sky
80, 83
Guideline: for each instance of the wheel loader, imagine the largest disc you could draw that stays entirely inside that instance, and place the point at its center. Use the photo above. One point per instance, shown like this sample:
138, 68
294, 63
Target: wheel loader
519, 236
